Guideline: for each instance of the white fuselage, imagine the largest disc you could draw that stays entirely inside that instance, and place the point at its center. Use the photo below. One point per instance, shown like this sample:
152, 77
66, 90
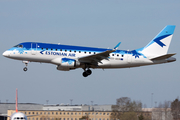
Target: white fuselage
18, 116
115, 60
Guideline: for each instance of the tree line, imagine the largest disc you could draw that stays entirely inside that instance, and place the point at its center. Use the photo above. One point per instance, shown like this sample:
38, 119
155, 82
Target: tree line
127, 109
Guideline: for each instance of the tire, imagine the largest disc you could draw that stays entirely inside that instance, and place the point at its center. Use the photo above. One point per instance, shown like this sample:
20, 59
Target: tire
89, 72
25, 69
85, 74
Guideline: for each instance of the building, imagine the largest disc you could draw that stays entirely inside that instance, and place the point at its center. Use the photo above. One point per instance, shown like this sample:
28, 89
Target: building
69, 115
62, 112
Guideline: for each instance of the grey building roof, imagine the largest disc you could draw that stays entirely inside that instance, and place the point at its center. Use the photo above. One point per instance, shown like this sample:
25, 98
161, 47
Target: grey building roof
32, 106
21, 106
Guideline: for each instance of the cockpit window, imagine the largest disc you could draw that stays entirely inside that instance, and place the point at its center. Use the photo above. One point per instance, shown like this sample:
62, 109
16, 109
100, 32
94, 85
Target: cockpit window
19, 118
16, 46
20, 46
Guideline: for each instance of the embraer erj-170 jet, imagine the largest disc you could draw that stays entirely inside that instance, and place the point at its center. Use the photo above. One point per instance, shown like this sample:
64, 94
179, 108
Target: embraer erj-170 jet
68, 57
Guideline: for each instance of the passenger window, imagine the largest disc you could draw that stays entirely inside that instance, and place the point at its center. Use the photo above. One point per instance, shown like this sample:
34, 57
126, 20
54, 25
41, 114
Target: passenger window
122, 55
42, 48
79, 51
74, 51
51, 49
85, 52
70, 51
89, 52
118, 55
60, 49
94, 52
112, 54
46, 48
56, 49
65, 50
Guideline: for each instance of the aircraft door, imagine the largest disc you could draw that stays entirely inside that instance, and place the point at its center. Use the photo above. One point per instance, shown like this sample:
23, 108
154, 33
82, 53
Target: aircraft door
33, 48
129, 57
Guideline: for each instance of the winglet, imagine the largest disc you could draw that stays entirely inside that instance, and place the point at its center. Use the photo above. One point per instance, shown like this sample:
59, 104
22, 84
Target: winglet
116, 47
16, 100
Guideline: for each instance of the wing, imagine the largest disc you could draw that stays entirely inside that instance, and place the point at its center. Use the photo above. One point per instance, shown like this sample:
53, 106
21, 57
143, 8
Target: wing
98, 57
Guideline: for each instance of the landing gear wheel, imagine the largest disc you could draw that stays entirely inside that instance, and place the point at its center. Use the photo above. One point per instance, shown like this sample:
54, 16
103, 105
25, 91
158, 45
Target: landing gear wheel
26, 63
85, 74
88, 72
25, 68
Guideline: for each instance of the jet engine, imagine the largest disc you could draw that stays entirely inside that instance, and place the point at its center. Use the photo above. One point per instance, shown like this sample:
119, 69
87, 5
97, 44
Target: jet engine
68, 64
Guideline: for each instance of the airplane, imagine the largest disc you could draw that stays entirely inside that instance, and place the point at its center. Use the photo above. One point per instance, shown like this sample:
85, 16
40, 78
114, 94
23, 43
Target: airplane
17, 115
68, 57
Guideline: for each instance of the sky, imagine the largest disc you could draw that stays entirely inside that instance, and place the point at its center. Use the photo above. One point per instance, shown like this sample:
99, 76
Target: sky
94, 23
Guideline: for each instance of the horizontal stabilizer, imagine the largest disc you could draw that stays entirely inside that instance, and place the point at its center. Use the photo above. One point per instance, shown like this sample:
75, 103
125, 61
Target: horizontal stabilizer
163, 57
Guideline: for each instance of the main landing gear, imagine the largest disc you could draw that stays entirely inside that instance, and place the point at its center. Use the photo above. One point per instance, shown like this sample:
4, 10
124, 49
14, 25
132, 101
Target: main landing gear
87, 72
26, 63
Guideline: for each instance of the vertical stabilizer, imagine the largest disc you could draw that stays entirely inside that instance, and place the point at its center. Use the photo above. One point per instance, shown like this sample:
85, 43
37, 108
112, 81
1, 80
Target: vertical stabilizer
160, 44
16, 100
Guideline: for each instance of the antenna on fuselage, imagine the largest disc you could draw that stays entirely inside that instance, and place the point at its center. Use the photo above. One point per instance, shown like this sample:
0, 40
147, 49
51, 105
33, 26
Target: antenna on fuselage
16, 100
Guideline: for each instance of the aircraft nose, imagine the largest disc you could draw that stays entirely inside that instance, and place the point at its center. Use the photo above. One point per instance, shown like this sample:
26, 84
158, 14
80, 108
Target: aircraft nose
6, 54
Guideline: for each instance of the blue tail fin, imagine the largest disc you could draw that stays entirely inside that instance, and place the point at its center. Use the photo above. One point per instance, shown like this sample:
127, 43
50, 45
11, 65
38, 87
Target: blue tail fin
160, 44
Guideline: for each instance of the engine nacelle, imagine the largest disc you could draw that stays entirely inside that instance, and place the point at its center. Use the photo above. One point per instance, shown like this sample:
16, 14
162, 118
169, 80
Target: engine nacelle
68, 64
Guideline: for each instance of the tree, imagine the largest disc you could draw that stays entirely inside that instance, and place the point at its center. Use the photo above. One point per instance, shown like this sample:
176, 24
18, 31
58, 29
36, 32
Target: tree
129, 116
175, 109
141, 117
167, 111
162, 111
127, 108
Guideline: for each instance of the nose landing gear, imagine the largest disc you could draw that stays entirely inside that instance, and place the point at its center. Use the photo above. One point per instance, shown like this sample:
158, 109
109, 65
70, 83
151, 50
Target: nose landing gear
25, 68
26, 63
